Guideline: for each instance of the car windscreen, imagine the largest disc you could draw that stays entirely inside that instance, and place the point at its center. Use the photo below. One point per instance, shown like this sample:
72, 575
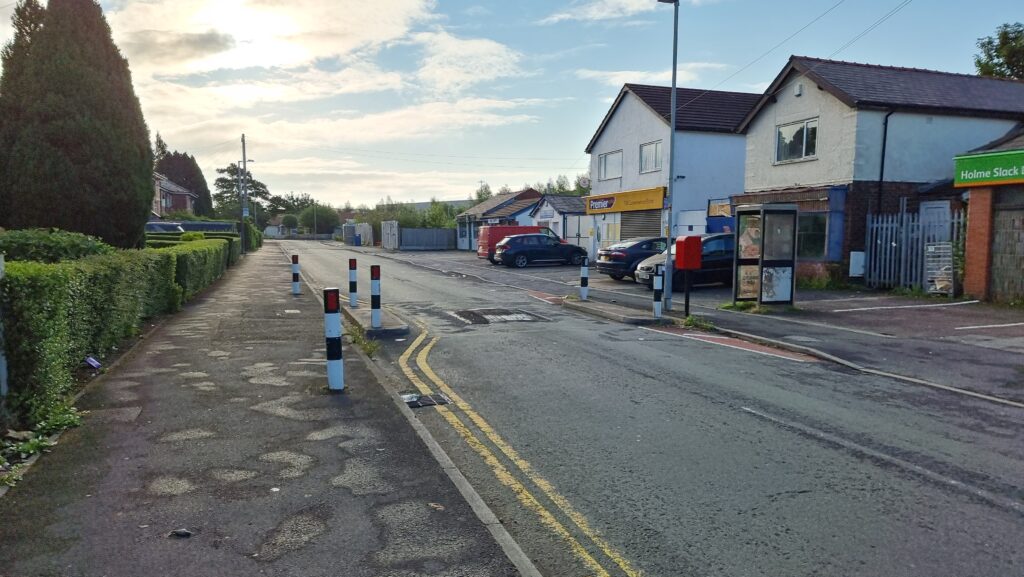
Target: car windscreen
622, 245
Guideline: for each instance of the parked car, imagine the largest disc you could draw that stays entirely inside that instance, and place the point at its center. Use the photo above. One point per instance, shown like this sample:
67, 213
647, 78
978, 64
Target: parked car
716, 261
491, 235
522, 249
621, 259
163, 226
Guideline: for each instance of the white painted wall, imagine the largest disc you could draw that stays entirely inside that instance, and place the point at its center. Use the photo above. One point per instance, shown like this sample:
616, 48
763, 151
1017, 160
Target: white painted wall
835, 151
920, 147
713, 166
632, 124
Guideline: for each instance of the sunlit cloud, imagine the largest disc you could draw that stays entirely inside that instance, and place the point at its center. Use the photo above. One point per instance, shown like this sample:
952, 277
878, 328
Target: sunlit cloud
597, 10
451, 64
688, 72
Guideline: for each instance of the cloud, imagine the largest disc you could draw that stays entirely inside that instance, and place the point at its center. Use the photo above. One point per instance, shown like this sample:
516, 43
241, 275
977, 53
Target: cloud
161, 46
687, 72
596, 10
451, 64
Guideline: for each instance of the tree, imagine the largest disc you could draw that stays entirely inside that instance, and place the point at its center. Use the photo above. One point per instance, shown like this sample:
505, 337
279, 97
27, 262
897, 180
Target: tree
439, 215
160, 152
290, 221
183, 169
226, 201
323, 216
1002, 55
77, 150
289, 203
504, 189
27, 20
578, 188
562, 184
483, 193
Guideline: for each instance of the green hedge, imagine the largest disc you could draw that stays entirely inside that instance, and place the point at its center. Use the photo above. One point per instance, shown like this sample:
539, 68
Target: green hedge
190, 236
46, 245
57, 314
199, 264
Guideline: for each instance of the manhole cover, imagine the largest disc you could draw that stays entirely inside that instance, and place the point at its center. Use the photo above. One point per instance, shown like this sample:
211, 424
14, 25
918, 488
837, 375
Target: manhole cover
494, 316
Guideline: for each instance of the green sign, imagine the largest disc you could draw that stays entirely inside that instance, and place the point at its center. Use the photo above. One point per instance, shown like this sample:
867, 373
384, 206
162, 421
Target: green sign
989, 168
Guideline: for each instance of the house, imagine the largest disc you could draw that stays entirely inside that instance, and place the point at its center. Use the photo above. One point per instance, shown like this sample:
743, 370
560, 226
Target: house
629, 159
171, 197
565, 215
843, 139
503, 208
994, 255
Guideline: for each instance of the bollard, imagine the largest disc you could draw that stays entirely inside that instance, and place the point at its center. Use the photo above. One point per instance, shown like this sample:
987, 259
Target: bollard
353, 295
375, 296
584, 279
295, 274
657, 291
332, 336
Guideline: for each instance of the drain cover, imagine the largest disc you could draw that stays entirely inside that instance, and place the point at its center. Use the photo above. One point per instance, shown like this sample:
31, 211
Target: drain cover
493, 316
418, 400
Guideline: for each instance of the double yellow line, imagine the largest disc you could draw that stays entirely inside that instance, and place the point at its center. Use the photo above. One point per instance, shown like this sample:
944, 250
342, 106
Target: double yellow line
502, 472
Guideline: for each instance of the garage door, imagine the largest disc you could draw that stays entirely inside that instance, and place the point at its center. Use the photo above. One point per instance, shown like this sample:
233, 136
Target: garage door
1008, 245
640, 223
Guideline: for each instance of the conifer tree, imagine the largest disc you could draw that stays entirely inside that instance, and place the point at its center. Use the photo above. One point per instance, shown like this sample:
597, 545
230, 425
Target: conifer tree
79, 155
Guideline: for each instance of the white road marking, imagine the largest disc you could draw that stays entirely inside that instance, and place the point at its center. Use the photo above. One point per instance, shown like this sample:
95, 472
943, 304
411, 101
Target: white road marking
878, 455
906, 307
701, 339
989, 326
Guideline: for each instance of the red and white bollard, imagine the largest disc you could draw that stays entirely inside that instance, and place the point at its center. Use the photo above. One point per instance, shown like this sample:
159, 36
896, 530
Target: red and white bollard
295, 274
353, 295
584, 279
332, 337
375, 296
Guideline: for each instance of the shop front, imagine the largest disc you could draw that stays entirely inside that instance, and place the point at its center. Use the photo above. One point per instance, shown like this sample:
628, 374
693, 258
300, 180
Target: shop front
628, 214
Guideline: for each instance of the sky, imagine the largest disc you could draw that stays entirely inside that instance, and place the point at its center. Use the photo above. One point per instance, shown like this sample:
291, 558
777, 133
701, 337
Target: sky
358, 100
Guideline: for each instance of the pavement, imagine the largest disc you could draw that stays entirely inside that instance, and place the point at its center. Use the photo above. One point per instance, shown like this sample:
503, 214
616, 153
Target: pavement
219, 424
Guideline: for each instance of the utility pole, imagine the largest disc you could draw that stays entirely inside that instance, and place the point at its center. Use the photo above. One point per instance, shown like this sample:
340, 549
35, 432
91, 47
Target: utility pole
669, 265
245, 196
314, 220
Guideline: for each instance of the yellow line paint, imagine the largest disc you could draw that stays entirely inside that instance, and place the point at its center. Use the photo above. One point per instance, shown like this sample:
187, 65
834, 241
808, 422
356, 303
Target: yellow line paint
523, 465
500, 471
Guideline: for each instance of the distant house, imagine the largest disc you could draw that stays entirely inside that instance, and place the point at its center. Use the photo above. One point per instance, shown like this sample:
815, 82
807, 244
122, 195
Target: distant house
629, 160
504, 208
842, 139
169, 196
564, 215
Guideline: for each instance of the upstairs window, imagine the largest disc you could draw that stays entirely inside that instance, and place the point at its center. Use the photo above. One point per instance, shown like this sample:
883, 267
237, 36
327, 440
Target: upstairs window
796, 141
650, 157
609, 165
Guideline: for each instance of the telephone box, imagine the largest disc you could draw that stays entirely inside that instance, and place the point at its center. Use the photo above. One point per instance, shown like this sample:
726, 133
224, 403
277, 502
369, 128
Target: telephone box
765, 260
688, 252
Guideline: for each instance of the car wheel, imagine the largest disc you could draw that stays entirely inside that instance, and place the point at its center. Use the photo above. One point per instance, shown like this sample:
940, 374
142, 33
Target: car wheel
520, 261
576, 259
617, 276
491, 258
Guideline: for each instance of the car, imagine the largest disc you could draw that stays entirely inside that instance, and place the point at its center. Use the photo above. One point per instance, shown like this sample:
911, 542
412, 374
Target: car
163, 226
716, 261
520, 250
621, 259
491, 235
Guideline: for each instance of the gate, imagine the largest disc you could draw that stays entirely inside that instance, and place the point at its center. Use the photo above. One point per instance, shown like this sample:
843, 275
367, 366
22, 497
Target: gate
389, 235
895, 246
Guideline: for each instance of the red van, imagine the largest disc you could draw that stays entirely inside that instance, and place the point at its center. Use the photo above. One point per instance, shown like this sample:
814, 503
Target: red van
492, 235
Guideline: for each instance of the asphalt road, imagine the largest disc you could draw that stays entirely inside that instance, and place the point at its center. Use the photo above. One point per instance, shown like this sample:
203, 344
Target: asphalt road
614, 450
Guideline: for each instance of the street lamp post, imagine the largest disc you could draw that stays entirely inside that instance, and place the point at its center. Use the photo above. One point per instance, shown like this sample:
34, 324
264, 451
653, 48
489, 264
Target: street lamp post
243, 192
671, 152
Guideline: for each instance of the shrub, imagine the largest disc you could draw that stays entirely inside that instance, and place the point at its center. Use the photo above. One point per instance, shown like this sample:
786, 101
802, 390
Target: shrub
199, 263
162, 243
191, 236
50, 245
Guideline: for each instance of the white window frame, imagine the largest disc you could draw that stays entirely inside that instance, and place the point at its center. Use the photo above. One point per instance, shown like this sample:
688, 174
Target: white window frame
602, 165
805, 156
657, 157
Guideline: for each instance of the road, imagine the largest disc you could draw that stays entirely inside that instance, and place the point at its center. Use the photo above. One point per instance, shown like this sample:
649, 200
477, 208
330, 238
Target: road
615, 450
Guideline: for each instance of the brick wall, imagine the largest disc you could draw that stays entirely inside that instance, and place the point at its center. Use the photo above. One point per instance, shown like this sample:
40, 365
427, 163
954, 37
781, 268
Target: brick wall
977, 254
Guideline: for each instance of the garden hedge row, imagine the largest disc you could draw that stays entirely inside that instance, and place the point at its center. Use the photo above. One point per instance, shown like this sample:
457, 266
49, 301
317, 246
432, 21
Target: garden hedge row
234, 245
56, 314
46, 245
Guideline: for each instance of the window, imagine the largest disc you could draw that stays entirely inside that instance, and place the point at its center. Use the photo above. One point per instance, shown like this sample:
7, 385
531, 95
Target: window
811, 235
650, 157
609, 165
529, 240
796, 141
713, 247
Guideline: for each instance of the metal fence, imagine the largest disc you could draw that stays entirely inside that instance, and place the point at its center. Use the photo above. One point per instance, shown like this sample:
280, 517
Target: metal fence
895, 247
427, 239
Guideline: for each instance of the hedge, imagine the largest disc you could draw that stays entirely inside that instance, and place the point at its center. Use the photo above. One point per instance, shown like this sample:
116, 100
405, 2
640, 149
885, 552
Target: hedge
198, 264
46, 245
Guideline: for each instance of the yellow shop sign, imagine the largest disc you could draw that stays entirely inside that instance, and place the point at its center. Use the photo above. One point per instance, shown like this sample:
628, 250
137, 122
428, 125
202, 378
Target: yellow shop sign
643, 199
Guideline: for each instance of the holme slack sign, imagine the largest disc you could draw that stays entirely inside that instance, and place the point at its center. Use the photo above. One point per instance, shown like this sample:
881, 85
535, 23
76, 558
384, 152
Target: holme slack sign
990, 168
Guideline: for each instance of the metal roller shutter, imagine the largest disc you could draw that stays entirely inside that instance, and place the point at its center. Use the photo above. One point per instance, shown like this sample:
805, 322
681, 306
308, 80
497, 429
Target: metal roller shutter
640, 223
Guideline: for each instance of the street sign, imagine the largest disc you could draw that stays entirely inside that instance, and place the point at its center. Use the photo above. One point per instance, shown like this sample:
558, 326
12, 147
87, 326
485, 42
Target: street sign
245, 212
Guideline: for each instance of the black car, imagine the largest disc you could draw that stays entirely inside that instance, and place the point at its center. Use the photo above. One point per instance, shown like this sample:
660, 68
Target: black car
163, 226
716, 261
520, 250
621, 259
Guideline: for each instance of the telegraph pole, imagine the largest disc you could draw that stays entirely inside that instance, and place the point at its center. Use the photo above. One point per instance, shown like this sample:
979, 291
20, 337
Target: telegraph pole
243, 177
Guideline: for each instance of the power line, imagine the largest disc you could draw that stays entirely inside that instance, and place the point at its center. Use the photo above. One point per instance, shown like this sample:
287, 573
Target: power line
876, 24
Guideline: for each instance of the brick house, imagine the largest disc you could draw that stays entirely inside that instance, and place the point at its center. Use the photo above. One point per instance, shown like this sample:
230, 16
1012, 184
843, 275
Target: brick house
842, 139
169, 196
994, 254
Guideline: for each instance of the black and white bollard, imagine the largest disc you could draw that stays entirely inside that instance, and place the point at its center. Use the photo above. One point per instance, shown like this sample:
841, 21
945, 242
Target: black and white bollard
332, 336
375, 296
584, 279
353, 295
658, 279
295, 274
